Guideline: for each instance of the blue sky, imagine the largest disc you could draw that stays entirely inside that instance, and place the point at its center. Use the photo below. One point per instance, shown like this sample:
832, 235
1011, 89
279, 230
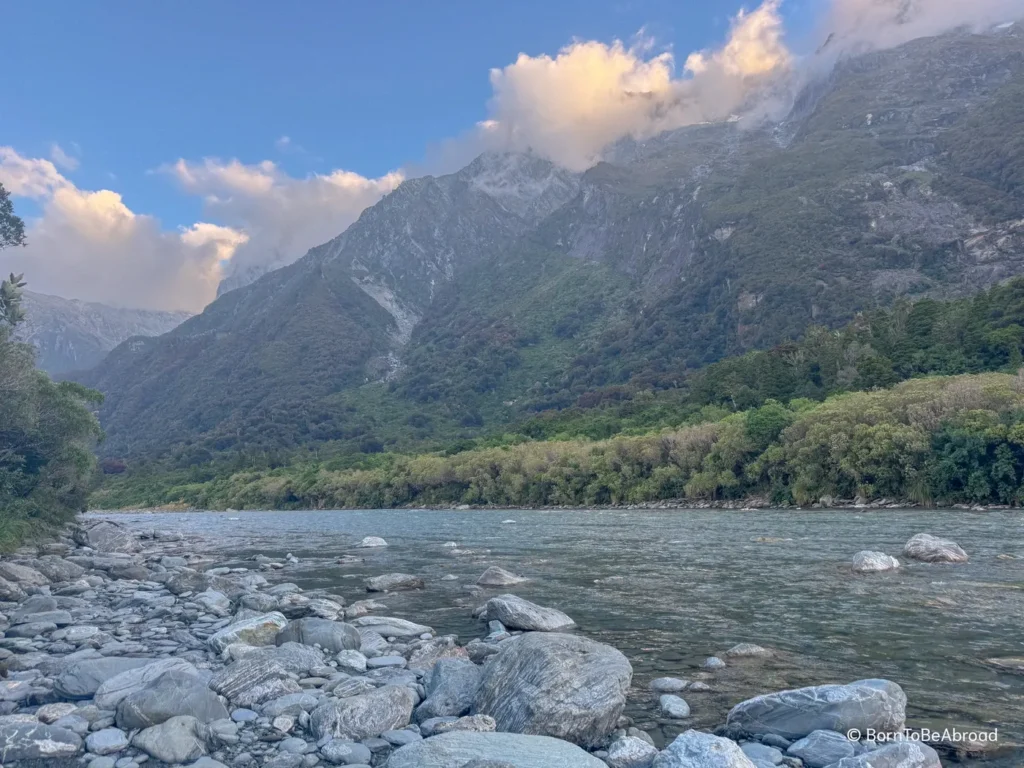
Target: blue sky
143, 140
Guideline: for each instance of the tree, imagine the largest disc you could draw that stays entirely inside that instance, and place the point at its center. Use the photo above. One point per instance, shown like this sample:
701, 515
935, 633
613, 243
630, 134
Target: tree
12, 228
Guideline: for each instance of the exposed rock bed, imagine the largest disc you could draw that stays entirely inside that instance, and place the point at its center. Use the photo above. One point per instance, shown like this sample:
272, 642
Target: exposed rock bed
122, 650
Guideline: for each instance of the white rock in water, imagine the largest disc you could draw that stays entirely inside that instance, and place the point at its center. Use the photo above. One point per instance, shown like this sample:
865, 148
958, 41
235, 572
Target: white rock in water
931, 549
674, 706
499, 577
516, 613
694, 749
874, 562
372, 541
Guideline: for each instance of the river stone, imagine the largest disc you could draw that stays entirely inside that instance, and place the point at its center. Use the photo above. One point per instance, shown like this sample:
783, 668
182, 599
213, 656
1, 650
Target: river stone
478, 723
557, 685
214, 602
352, 662
259, 601
251, 681
174, 693
294, 657
341, 752
391, 582
762, 754
901, 754
257, 631
29, 741
106, 536
461, 748
57, 569
177, 740
748, 651
187, 580
22, 574
372, 541
451, 688
931, 549
10, 592
51, 713
81, 679
865, 704
821, 748
363, 716
388, 626
516, 613
630, 752
674, 706
294, 704
668, 685
110, 693
106, 741
332, 636
34, 629
694, 749
868, 561
498, 577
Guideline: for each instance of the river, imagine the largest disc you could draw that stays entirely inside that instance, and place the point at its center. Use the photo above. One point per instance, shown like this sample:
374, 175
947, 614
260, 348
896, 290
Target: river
670, 588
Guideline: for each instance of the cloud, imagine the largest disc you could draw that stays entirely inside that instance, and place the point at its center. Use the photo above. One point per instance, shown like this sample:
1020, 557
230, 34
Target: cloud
90, 245
62, 159
282, 216
571, 106
859, 24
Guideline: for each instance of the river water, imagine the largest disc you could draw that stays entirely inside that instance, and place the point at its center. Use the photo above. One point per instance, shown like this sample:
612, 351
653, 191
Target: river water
670, 588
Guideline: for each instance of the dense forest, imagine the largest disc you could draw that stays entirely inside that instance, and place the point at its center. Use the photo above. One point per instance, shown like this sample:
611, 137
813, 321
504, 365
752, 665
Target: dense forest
47, 430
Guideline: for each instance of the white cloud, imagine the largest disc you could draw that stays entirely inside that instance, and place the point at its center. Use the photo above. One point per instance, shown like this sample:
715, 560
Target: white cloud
90, 245
282, 216
62, 159
570, 107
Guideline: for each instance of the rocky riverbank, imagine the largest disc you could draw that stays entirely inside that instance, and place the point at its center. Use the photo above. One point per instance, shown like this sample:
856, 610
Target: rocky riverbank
122, 650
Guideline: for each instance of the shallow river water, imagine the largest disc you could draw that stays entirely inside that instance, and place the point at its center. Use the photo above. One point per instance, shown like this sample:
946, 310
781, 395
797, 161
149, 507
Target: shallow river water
669, 588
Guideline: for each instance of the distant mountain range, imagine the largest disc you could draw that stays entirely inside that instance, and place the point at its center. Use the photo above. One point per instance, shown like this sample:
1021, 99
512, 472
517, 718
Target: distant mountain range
462, 302
72, 335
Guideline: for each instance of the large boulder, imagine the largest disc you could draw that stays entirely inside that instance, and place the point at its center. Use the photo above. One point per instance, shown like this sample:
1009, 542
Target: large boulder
931, 549
294, 657
110, 692
253, 680
106, 536
879, 705
821, 748
516, 613
631, 752
174, 693
392, 582
557, 685
22, 575
874, 562
464, 748
31, 741
496, 576
451, 688
388, 626
81, 679
178, 740
257, 631
694, 749
332, 636
901, 754
57, 569
364, 716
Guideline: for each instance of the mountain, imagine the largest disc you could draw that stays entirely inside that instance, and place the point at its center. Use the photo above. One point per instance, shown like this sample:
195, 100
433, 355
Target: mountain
71, 335
467, 301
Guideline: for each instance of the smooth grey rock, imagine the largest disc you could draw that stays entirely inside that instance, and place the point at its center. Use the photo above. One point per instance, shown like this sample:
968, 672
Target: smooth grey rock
332, 636
106, 741
363, 716
868, 561
747, 651
60, 618
496, 576
33, 629
341, 752
352, 662
391, 582
630, 752
713, 662
762, 754
382, 662
451, 687
294, 745
462, 748
401, 737
107, 536
22, 575
293, 704
10, 591
694, 749
57, 569
50, 713
28, 741
864, 704
106, 762
674, 706
294, 657
516, 613
821, 748
214, 602
81, 679
259, 601
243, 715
388, 626
931, 549
901, 754
111, 692
370, 542
668, 685
187, 580
433, 650
477, 723
174, 693
557, 685
73, 722
259, 631
178, 740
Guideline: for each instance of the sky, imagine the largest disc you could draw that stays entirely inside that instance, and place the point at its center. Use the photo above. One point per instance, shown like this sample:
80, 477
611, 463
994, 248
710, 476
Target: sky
153, 148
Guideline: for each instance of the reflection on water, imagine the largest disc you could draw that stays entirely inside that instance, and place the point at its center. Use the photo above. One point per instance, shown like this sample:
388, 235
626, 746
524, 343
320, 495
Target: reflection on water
669, 588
